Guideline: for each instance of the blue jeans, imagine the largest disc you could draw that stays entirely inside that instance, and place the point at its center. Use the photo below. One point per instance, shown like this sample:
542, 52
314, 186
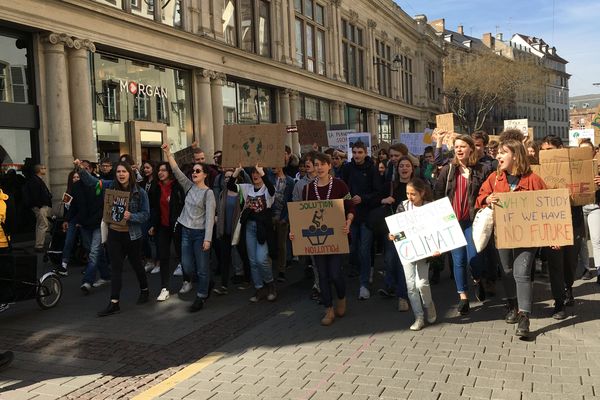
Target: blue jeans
362, 240
193, 257
92, 239
70, 239
466, 256
394, 272
258, 255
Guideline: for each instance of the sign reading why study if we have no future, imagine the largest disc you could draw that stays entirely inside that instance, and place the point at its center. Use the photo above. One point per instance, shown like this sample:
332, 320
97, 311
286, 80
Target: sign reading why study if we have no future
533, 219
423, 231
318, 227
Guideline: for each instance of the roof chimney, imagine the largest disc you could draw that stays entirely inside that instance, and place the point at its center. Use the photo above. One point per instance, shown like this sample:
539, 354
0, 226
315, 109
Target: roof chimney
439, 25
460, 30
488, 40
499, 36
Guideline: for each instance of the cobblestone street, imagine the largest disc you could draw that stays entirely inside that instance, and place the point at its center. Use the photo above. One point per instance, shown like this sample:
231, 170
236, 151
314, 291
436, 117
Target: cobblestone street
279, 350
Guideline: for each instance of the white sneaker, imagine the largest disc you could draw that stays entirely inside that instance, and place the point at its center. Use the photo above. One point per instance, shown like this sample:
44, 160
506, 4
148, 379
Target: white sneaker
155, 270
431, 314
100, 282
164, 295
149, 266
364, 293
186, 287
418, 325
402, 304
178, 271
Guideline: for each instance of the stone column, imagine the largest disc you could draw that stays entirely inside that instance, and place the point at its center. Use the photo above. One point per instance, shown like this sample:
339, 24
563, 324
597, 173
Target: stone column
80, 96
205, 16
334, 111
60, 147
285, 31
294, 117
284, 113
203, 101
371, 74
216, 94
397, 76
398, 127
292, 30
372, 127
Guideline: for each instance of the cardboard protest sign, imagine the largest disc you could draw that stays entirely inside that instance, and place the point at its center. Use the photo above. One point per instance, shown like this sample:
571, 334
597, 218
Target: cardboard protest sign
418, 141
445, 122
250, 144
364, 137
520, 124
318, 227
338, 139
312, 131
67, 198
494, 138
422, 231
573, 169
116, 202
184, 156
575, 135
533, 219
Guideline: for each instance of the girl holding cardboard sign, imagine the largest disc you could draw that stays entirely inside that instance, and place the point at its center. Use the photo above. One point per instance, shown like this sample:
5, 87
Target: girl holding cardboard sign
124, 240
326, 187
514, 174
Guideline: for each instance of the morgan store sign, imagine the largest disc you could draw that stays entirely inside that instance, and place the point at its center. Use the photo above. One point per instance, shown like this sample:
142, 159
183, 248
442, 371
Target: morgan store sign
135, 87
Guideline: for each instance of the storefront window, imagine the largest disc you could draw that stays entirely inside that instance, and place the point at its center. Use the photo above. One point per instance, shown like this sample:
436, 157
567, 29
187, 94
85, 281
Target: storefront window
247, 104
127, 90
15, 147
356, 118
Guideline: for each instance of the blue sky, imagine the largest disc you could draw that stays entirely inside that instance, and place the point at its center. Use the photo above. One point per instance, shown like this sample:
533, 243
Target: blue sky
570, 25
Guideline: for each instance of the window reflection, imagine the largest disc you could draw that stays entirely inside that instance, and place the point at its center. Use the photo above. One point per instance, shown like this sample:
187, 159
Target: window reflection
247, 104
14, 86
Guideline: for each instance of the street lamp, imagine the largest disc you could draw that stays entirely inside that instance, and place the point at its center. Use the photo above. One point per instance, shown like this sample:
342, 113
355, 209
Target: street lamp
396, 62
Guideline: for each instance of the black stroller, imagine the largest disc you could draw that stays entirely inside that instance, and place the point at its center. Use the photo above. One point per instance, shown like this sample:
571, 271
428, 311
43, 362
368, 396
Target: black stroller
54, 254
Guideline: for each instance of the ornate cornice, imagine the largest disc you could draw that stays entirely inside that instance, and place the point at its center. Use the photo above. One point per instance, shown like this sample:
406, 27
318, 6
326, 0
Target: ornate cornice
371, 23
353, 16
398, 41
59, 38
336, 3
85, 44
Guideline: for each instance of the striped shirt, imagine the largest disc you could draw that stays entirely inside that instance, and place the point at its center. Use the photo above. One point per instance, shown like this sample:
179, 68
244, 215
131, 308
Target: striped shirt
460, 203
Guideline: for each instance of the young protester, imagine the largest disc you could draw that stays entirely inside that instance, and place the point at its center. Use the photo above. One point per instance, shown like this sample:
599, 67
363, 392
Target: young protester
326, 187
149, 247
338, 161
416, 273
197, 220
513, 175
583, 258
123, 241
256, 221
70, 225
460, 181
360, 176
284, 186
562, 260
168, 200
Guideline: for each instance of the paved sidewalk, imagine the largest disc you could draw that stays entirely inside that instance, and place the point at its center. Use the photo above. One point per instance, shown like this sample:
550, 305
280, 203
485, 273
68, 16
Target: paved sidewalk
279, 350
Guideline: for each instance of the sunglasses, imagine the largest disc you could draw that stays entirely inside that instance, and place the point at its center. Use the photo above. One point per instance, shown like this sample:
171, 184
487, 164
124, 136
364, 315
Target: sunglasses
198, 171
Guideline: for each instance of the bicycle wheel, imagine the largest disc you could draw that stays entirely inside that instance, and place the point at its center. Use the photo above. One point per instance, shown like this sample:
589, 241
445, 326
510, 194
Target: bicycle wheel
49, 292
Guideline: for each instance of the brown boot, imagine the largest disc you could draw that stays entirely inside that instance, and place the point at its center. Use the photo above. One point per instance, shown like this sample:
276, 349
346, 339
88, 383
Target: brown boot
328, 318
340, 307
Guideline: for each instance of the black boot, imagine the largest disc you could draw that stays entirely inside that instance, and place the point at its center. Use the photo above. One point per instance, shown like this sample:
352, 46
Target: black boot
463, 307
113, 308
511, 313
143, 297
5, 359
569, 299
523, 326
197, 305
559, 311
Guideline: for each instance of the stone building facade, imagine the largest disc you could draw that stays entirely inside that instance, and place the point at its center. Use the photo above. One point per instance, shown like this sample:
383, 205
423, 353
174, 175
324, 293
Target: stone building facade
94, 78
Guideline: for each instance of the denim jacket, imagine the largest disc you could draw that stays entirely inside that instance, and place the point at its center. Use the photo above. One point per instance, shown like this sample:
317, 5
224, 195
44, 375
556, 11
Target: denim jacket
139, 207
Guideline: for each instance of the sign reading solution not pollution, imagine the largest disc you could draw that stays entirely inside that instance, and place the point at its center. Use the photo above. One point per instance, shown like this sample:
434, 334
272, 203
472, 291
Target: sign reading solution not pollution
318, 227
423, 231
533, 219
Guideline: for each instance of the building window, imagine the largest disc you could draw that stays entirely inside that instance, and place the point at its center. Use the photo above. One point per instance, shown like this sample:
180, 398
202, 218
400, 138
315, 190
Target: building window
383, 59
353, 54
385, 127
247, 104
310, 35
3, 83
314, 108
247, 25
111, 98
431, 87
356, 118
407, 79
141, 109
162, 109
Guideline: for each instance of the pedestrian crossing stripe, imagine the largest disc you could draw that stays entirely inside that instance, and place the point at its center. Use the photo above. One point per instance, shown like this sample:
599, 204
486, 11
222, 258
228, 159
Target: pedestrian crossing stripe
179, 377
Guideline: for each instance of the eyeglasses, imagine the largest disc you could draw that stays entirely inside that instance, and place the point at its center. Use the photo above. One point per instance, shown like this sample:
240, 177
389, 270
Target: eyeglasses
197, 171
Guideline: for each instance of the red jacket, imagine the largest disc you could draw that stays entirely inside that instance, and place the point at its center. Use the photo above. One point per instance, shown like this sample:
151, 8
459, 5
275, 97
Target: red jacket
498, 183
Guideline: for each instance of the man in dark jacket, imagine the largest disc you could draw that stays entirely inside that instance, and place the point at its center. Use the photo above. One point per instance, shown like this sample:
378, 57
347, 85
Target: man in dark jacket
360, 176
39, 199
87, 209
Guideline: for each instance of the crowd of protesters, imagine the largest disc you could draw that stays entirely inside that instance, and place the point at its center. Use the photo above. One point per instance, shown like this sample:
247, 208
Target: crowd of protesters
199, 219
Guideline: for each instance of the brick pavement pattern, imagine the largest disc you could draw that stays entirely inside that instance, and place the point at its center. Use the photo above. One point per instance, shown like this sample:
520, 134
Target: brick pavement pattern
279, 350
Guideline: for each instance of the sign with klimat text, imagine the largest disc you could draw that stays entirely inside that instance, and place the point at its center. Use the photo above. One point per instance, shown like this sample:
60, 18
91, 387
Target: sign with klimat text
520, 124
537, 218
318, 227
116, 202
312, 131
252, 144
573, 169
421, 232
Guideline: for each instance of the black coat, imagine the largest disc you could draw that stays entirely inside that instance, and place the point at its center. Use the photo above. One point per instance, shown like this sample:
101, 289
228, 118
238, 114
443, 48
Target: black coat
37, 193
363, 180
176, 203
86, 207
